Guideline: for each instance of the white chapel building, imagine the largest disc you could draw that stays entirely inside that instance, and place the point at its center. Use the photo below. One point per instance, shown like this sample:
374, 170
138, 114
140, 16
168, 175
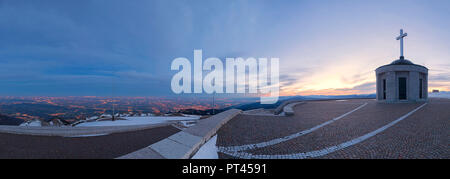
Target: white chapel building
402, 80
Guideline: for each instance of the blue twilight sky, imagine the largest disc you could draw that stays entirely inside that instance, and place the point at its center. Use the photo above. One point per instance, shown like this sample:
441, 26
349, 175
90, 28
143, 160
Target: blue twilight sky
67, 47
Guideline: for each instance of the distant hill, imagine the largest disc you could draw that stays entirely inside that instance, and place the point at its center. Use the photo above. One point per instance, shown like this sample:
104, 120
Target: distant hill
6, 120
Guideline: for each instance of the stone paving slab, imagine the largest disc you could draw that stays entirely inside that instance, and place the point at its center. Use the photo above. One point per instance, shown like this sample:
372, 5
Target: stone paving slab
209, 127
19, 146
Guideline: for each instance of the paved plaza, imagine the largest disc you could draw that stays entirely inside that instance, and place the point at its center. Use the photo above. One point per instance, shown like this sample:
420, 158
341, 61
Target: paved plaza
342, 129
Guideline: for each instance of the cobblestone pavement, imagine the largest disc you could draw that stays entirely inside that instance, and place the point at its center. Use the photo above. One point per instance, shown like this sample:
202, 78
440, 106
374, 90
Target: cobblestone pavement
424, 134
107, 146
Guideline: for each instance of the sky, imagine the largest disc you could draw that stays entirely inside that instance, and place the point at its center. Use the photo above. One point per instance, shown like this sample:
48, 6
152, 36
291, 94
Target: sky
327, 47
